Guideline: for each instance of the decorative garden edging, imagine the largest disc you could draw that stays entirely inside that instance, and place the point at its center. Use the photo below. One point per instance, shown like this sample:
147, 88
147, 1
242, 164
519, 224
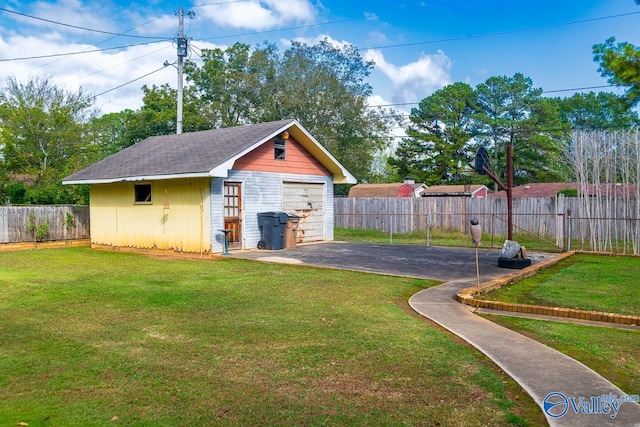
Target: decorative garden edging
468, 296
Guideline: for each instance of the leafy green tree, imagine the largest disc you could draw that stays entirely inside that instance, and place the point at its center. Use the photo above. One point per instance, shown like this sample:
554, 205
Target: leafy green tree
439, 147
593, 111
494, 98
620, 63
158, 114
236, 86
17, 193
540, 153
109, 133
505, 103
514, 113
42, 137
322, 86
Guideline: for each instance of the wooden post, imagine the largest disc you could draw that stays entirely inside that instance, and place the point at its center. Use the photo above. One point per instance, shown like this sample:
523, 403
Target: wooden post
509, 194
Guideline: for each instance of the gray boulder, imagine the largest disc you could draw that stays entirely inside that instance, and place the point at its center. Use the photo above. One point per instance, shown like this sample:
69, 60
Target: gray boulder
510, 249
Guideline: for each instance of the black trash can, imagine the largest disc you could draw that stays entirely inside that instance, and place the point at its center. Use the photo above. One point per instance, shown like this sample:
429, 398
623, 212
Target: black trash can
272, 226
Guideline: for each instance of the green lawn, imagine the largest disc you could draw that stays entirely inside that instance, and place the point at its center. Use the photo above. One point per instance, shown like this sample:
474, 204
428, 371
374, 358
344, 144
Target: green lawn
590, 282
86, 336
614, 353
593, 282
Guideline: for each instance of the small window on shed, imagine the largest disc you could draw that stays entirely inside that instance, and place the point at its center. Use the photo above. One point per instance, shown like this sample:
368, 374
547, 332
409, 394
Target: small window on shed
142, 193
279, 145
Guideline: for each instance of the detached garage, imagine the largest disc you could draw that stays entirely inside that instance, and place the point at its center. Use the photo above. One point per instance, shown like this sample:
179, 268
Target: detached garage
178, 192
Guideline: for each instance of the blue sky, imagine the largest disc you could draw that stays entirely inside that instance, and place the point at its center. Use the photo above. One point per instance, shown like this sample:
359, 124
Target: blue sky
418, 46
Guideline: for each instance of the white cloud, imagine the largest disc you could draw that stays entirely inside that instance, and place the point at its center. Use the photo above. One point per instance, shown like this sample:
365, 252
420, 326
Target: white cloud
414, 81
97, 72
371, 16
377, 37
161, 26
94, 72
317, 39
78, 13
259, 15
377, 101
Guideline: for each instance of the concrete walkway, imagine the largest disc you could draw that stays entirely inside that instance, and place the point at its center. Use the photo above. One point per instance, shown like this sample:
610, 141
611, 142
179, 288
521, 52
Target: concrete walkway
538, 369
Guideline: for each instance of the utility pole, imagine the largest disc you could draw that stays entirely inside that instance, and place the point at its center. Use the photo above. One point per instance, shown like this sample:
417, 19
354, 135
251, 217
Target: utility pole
183, 50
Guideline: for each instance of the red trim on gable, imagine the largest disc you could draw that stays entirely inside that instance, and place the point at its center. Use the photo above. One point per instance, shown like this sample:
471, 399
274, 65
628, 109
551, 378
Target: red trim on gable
298, 160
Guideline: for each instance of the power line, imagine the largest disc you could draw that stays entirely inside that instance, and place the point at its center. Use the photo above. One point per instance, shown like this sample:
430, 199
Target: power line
54, 55
109, 39
577, 88
544, 91
78, 27
298, 27
285, 29
130, 81
123, 63
501, 33
289, 28
393, 105
224, 2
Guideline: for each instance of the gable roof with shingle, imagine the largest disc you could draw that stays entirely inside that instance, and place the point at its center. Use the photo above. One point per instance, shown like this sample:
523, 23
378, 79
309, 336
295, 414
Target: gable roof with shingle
551, 189
381, 190
536, 189
206, 153
452, 190
375, 190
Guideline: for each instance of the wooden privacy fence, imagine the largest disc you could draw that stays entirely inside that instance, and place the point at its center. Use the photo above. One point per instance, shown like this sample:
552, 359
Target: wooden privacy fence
44, 223
559, 220
406, 215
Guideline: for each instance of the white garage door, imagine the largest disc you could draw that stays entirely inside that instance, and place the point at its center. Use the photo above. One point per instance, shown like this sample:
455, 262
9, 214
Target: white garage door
307, 201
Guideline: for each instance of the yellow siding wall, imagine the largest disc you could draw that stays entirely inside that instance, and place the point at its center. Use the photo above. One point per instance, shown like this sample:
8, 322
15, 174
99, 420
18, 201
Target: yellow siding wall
178, 217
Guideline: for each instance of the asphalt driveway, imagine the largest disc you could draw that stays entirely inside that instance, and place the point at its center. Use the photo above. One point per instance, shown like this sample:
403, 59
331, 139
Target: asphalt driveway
424, 262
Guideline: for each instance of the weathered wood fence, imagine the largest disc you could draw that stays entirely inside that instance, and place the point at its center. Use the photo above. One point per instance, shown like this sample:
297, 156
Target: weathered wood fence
560, 220
22, 223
